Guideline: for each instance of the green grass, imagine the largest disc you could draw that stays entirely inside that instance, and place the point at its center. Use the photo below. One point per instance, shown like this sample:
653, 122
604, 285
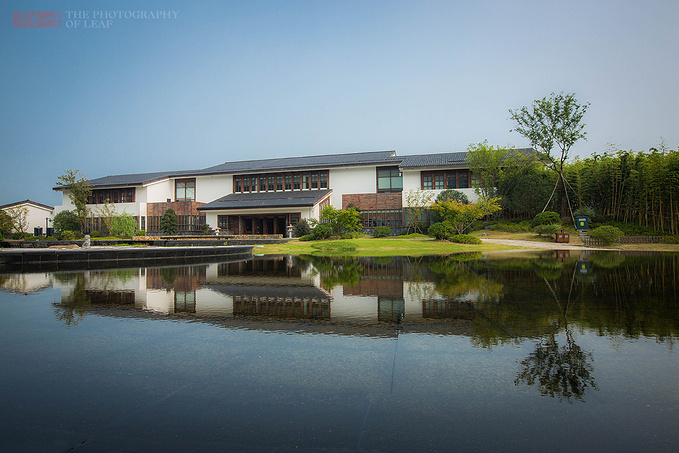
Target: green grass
418, 245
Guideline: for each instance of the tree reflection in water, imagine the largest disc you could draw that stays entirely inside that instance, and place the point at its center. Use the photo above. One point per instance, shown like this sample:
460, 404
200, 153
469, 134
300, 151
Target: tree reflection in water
562, 372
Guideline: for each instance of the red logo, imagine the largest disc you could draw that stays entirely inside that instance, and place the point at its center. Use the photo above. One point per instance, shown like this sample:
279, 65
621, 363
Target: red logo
36, 19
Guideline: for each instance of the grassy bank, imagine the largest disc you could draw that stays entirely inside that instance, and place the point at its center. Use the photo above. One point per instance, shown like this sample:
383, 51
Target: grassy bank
368, 246
418, 245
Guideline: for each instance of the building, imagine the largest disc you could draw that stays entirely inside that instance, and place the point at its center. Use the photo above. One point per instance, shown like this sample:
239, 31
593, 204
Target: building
36, 217
266, 196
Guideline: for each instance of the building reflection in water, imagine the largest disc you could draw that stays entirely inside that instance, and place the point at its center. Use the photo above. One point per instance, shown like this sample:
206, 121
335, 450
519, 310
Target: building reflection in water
333, 289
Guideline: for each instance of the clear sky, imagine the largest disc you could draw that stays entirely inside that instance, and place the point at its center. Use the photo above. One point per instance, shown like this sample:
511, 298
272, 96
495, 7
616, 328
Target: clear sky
227, 80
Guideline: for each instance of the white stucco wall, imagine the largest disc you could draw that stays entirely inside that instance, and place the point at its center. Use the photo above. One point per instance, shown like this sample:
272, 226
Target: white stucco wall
210, 188
159, 191
351, 180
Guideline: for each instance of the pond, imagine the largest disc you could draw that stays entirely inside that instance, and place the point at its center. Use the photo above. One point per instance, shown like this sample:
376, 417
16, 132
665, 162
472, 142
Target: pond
556, 351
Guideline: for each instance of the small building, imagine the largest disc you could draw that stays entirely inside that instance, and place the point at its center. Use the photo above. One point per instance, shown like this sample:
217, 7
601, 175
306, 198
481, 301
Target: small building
37, 216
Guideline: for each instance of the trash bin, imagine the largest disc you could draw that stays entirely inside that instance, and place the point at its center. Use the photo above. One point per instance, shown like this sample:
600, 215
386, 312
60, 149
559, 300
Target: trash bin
563, 237
582, 223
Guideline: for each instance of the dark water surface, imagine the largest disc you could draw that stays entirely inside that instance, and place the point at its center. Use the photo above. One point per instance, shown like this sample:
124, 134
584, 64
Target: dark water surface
550, 351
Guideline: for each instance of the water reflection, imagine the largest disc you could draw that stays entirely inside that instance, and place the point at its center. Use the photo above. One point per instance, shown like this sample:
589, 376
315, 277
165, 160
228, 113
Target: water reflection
545, 299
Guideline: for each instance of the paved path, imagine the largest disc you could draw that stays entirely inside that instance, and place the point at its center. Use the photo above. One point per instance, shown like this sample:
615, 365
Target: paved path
540, 245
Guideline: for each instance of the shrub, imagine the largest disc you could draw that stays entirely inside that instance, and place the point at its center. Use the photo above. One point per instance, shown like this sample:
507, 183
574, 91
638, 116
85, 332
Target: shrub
205, 229
545, 218
17, 235
347, 236
94, 234
306, 237
442, 230
301, 229
584, 211
66, 221
465, 239
123, 225
168, 222
606, 234
67, 235
451, 194
321, 231
140, 233
548, 229
381, 231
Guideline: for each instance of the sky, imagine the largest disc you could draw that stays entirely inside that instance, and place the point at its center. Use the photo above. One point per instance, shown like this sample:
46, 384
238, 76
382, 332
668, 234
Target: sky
123, 89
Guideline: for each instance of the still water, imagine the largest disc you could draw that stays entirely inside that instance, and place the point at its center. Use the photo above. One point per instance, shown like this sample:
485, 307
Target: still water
549, 351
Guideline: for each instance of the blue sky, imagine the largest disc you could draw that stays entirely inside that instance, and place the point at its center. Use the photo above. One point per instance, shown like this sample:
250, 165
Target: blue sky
245, 80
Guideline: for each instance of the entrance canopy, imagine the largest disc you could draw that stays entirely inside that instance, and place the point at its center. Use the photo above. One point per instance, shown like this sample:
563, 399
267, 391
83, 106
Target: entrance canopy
295, 198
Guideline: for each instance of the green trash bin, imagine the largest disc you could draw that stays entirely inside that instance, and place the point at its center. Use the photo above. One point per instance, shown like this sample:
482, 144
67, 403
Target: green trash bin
582, 223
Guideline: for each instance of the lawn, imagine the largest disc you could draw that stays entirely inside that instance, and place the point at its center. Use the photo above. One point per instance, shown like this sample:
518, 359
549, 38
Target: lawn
369, 246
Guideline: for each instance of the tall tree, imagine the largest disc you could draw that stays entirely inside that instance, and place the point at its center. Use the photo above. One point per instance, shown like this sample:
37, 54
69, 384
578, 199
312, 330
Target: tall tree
553, 121
79, 191
487, 164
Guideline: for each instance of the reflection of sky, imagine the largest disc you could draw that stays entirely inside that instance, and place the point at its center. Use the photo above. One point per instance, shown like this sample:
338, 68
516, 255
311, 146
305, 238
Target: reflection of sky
163, 384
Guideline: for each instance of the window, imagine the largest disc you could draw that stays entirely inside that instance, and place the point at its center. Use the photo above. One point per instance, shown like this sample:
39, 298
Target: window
449, 179
278, 182
389, 180
463, 181
185, 190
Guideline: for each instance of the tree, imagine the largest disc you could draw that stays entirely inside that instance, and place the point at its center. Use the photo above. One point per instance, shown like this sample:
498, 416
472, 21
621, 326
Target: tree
19, 219
5, 224
107, 212
66, 221
417, 202
123, 225
553, 121
341, 220
79, 191
168, 222
487, 164
461, 216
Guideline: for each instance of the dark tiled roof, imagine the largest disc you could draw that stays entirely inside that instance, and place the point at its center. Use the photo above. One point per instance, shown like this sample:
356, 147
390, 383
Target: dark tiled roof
136, 179
267, 200
292, 163
442, 159
434, 160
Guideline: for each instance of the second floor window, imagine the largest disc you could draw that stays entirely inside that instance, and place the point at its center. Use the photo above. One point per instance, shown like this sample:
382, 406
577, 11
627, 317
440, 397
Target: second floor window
185, 190
389, 180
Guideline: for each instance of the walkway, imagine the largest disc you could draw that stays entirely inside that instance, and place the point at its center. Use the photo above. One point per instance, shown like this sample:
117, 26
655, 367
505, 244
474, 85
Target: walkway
541, 245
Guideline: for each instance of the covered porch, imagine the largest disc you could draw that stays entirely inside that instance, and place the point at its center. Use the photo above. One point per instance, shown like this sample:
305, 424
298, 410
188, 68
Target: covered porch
264, 213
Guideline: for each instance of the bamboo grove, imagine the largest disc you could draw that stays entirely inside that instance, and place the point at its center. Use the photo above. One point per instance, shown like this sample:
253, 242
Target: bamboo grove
623, 186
